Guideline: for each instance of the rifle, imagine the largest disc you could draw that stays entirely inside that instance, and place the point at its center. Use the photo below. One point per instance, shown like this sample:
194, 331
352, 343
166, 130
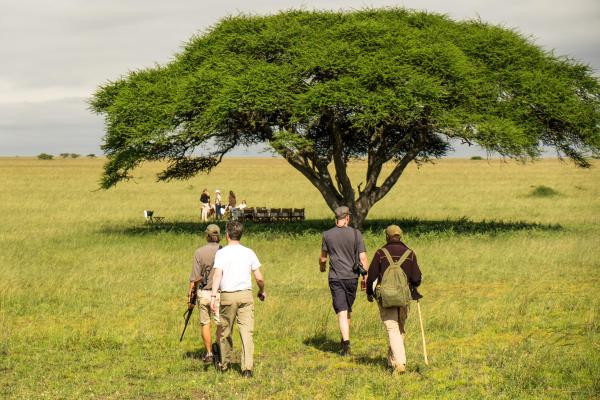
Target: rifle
188, 313
193, 297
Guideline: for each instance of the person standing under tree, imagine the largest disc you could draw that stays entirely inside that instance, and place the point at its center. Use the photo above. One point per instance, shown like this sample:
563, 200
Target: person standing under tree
234, 264
342, 243
232, 200
394, 318
201, 280
205, 204
218, 204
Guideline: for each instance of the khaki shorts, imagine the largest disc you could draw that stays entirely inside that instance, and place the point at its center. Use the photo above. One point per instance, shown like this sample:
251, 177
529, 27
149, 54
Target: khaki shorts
204, 308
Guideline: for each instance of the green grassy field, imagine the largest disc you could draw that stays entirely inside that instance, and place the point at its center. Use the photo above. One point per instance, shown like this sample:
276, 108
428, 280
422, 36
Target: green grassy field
91, 299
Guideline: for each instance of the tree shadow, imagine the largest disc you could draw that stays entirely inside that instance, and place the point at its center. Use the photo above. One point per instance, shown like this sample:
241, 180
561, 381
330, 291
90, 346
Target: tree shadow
413, 226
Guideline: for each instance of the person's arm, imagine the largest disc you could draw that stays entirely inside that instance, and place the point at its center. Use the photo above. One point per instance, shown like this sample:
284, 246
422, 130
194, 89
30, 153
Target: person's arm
260, 281
218, 274
323, 261
191, 294
373, 274
363, 260
362, 251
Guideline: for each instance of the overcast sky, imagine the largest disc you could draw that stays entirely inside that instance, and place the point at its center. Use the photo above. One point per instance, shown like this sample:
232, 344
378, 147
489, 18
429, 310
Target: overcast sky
53, 54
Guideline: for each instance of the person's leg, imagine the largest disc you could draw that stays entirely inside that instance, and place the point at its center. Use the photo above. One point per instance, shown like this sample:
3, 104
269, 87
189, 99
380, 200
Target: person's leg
245, 321
390, 319
204, 313
216, 317
206, 337
349, 286
344, 324
228, 310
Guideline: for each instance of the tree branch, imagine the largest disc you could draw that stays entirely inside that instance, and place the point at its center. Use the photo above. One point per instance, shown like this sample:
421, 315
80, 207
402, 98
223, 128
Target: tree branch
345, 186
393, 177
319, 180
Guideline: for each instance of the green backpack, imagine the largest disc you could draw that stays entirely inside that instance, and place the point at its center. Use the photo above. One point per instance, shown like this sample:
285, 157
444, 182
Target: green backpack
393, 291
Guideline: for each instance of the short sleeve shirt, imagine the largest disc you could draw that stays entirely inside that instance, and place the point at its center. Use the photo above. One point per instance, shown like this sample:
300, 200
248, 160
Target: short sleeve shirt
204, 258
341, 243
237, 263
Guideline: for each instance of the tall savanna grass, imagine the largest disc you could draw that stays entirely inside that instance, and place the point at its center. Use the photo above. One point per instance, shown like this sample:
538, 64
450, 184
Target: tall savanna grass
91, 298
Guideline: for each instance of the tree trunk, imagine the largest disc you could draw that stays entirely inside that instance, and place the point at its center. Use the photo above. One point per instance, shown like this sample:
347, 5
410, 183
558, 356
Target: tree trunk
359, 214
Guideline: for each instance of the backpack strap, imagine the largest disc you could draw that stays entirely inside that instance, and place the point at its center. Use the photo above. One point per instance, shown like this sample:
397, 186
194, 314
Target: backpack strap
391, 261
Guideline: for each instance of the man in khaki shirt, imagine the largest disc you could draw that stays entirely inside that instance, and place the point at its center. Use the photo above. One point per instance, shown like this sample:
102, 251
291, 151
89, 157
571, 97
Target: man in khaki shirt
201, 280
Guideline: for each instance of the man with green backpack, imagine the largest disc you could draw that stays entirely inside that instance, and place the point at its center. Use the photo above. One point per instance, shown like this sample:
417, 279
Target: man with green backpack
393, 278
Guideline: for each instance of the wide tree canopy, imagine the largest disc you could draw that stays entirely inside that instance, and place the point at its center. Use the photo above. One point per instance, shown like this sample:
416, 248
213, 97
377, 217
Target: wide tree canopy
323, 88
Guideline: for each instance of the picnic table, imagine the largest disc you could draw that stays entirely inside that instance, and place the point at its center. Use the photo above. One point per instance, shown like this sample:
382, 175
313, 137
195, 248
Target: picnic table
264, 214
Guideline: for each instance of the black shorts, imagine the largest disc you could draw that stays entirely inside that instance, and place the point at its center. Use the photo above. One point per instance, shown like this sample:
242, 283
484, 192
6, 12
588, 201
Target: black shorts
343, 293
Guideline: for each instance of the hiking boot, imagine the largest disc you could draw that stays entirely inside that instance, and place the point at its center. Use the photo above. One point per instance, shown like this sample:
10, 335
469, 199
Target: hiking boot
208, 358
247, 373
222, 367
216, 356
398, 369
345, 348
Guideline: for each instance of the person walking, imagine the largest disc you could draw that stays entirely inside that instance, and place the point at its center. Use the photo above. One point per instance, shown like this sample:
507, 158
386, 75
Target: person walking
233, 266
342, 244
205, 204
394, 318
201, 281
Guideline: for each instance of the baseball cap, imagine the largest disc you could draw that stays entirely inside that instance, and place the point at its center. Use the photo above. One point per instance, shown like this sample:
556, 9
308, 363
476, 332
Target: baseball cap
213, 229
341, 212
393, 230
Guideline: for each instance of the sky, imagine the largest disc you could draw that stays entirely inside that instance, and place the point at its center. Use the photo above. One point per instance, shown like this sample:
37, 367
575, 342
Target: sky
54, 54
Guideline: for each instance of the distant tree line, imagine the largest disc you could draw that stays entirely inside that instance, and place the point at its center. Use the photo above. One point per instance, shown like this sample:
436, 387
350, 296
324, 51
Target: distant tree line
46, 156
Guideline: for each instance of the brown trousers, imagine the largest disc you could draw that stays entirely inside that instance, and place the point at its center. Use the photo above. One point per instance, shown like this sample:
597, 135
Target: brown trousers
237, 307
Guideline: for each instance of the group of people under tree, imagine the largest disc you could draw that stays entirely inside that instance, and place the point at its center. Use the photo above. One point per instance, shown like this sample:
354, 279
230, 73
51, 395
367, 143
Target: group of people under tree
218, 208
225, 293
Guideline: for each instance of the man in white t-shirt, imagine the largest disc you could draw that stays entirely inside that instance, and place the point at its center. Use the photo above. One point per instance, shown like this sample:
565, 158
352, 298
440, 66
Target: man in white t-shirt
233, 266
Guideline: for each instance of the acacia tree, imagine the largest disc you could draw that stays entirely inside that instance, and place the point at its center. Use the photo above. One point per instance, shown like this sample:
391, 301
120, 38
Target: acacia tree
324, 88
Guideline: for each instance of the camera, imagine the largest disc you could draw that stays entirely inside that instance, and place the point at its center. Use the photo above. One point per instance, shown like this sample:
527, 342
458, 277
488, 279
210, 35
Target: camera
359, 269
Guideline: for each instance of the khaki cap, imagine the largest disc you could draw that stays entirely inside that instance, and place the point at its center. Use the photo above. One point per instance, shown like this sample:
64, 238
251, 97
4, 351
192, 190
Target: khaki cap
393, 230
213, 229
341, 212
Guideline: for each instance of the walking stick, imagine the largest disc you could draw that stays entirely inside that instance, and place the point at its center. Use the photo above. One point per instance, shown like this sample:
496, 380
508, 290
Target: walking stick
422, 334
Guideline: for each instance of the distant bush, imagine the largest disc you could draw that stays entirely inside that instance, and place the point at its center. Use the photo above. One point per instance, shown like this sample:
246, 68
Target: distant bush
91, 155
74, 155
45, 156
64, 155
476, 158
543, 191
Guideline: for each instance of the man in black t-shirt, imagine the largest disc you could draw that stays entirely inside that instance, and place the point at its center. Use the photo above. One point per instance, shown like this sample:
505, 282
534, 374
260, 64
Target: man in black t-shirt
341, 243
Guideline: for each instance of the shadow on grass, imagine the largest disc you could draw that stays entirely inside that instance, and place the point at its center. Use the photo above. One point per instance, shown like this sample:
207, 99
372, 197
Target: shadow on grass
380, 360
412, 226
199, 355
196, 354
323, 343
